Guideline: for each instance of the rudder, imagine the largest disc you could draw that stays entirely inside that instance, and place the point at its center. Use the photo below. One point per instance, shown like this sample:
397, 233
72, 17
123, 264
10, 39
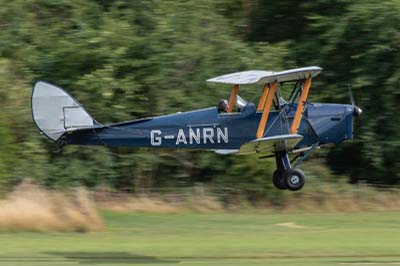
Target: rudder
55, 111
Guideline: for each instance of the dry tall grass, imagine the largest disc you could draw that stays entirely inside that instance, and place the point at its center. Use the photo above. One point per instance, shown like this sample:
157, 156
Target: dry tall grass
33, 208
158, 202
324, 197
343, 198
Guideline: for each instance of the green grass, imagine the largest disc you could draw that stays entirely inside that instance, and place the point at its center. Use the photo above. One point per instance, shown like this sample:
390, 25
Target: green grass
216, 239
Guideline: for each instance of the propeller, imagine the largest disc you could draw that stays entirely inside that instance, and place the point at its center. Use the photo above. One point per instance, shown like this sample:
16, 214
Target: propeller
357, 111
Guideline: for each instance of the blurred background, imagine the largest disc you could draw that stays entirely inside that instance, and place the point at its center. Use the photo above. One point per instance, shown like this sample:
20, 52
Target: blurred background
130, 59
124, 60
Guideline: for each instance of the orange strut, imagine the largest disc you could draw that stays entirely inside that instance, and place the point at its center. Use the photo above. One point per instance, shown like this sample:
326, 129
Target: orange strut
267, 107
263, 97
300, 107
232, 98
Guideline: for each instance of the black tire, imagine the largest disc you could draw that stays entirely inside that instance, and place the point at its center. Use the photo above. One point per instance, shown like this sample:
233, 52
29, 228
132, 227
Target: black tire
277, 180
294, 179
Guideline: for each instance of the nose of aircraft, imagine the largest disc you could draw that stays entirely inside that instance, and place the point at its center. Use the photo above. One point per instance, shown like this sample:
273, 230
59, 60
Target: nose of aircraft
357, 111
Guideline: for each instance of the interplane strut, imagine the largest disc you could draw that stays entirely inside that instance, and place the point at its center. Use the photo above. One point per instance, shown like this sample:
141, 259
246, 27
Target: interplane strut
263, 98
266, 110
232, 98
301, 105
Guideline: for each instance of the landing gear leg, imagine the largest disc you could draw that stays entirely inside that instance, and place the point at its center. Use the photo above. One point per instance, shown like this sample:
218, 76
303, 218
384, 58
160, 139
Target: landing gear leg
282, 165
286, 177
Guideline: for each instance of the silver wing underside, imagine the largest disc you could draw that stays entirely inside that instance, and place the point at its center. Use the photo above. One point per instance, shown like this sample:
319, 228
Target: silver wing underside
271, 144
267, 145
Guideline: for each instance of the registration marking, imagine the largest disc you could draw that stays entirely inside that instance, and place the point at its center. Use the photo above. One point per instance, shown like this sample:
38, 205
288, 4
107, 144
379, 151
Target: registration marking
205, 135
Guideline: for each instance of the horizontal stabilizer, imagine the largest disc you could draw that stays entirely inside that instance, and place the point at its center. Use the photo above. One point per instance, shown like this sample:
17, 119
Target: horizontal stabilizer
271, 144
69, 130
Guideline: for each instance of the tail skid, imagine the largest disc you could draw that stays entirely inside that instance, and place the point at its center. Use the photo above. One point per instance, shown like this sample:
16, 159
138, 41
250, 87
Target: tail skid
56, 112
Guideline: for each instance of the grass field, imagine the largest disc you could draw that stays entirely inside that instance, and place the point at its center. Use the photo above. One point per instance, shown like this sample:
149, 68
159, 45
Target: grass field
216, 239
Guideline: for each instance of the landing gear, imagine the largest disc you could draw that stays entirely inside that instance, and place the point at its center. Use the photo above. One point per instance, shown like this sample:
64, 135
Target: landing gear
277, 180
286, 177
294, 179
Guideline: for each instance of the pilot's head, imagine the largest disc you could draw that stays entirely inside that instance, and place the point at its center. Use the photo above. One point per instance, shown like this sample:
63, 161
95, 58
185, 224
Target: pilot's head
223, 106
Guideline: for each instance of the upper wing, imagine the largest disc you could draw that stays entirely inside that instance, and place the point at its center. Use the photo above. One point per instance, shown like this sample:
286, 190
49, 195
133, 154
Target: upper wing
271, 144
262, 77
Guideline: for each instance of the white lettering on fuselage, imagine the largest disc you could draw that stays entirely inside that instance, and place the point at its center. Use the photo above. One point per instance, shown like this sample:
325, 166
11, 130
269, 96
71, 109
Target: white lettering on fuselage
224, 135
194, 136
181, 137
209, 135
155, 140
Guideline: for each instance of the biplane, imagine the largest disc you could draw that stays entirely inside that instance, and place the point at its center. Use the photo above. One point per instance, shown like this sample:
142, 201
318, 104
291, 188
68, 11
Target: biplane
288, 130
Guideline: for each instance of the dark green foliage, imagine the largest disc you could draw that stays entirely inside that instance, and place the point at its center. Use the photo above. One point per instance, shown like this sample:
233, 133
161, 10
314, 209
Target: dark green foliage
356, 43
359, 46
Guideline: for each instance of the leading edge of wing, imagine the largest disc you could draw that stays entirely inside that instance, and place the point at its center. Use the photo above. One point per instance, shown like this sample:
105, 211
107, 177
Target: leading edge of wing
272, 144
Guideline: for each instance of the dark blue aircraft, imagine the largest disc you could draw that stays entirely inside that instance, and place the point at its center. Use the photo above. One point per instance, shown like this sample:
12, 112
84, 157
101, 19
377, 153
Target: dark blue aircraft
274, 128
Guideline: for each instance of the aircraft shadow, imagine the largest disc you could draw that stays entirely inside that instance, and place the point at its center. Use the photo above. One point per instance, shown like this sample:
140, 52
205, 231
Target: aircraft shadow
109, 257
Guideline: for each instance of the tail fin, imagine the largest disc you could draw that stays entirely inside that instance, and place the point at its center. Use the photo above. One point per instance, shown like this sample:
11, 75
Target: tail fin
56, 112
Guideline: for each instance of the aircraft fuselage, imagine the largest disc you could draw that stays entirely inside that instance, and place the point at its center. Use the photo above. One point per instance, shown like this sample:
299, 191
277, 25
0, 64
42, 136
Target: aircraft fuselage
208, 129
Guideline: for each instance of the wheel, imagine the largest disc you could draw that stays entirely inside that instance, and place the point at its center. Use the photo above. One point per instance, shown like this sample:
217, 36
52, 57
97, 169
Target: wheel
277, 179
294, 179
